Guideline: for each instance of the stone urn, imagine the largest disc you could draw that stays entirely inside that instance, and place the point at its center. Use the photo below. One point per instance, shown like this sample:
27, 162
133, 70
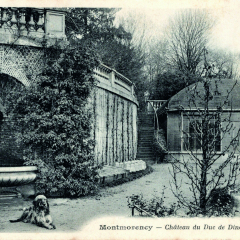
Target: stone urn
16, 176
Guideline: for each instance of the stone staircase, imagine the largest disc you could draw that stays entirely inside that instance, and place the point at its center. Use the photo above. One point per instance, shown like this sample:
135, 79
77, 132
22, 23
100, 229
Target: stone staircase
145, 138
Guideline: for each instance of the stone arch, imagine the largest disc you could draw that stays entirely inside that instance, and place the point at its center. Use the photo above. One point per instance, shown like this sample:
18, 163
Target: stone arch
7, 83
17, 74
20, 62
10, 149
12, 63
2, 113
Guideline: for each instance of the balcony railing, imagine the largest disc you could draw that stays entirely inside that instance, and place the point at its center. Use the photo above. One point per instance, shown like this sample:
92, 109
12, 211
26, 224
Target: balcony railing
111, 80
154, 105
32, 22
23, 19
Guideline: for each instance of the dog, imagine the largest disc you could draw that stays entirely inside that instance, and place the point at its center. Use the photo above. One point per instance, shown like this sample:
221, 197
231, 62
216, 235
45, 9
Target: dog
38, 214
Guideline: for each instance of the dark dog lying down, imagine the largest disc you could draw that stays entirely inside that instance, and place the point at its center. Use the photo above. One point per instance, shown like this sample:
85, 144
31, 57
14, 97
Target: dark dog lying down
38, 214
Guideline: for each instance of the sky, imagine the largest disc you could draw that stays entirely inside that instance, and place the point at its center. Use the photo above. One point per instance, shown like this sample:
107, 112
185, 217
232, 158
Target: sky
226, 34
227, 30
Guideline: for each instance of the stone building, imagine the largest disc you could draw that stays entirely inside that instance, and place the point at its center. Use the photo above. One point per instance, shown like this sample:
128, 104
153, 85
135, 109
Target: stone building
181, 113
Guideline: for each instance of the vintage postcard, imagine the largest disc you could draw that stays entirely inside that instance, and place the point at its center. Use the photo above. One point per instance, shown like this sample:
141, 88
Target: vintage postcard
119, 119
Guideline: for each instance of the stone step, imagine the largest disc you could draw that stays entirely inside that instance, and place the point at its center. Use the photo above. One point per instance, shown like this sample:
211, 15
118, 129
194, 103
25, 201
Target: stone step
148, 138
147, 123
146, 129
149, 153
145, 156
143, 138
141, 134
149, 161
149, 134
146, 135
145, 150
145, 153
145, 142
144, 147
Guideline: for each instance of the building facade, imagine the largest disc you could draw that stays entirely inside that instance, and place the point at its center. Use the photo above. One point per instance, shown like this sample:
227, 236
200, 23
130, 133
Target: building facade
184, 116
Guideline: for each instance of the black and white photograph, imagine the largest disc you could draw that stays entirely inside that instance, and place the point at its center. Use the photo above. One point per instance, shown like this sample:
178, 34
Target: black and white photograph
120, 120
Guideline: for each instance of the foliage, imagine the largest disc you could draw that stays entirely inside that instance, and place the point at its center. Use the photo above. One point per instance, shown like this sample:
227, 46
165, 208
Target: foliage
112, 43
188, 35
90, 23
159, 145
170, 83
10, 147
56, 122
154, 206
221, 64
221, 203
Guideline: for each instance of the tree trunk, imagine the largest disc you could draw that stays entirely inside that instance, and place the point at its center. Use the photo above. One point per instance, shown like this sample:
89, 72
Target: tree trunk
203, 188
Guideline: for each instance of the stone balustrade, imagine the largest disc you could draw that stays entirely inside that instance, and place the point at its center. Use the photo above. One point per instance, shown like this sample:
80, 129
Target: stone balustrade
115, 82
154, 105
32, 23
29, 19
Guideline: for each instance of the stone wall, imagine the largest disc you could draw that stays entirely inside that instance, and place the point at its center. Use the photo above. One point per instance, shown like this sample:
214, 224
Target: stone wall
113, 102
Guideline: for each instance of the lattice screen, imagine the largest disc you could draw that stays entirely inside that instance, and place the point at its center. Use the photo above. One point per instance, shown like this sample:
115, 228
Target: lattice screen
21, 62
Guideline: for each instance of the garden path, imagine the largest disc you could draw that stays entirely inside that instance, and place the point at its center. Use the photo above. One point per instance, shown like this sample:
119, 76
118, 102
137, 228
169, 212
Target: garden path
73, 215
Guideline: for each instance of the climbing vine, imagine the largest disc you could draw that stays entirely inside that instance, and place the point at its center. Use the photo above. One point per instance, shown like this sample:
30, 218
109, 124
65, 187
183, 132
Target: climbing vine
56, 122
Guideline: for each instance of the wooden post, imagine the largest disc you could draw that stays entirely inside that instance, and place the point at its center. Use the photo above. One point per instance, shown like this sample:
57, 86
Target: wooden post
132, 211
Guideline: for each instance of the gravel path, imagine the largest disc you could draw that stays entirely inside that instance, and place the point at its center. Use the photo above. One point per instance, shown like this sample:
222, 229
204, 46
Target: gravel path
72, 215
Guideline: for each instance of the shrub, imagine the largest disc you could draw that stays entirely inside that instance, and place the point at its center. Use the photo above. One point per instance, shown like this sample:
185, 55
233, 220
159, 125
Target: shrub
159, 145
154, 206
221, 203
55, 122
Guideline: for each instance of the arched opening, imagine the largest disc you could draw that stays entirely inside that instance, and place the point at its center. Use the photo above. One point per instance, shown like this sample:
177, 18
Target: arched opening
10, 148
1, 117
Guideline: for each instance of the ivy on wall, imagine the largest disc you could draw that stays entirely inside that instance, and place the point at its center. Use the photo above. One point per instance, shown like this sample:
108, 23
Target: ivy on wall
56, 123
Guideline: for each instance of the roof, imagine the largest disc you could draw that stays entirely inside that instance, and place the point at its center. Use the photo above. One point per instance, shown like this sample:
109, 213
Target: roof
223, 92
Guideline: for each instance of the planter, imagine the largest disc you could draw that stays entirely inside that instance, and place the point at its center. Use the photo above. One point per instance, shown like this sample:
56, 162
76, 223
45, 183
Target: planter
16, 176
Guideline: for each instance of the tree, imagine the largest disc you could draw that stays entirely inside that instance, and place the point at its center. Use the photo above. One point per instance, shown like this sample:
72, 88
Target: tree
90, 23
210, 171
223, 64
188, 36
155, 62
55, 122
113, 43
170, 83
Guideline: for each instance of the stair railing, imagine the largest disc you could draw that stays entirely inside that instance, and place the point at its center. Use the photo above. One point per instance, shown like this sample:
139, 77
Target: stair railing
155, 113
155, 107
